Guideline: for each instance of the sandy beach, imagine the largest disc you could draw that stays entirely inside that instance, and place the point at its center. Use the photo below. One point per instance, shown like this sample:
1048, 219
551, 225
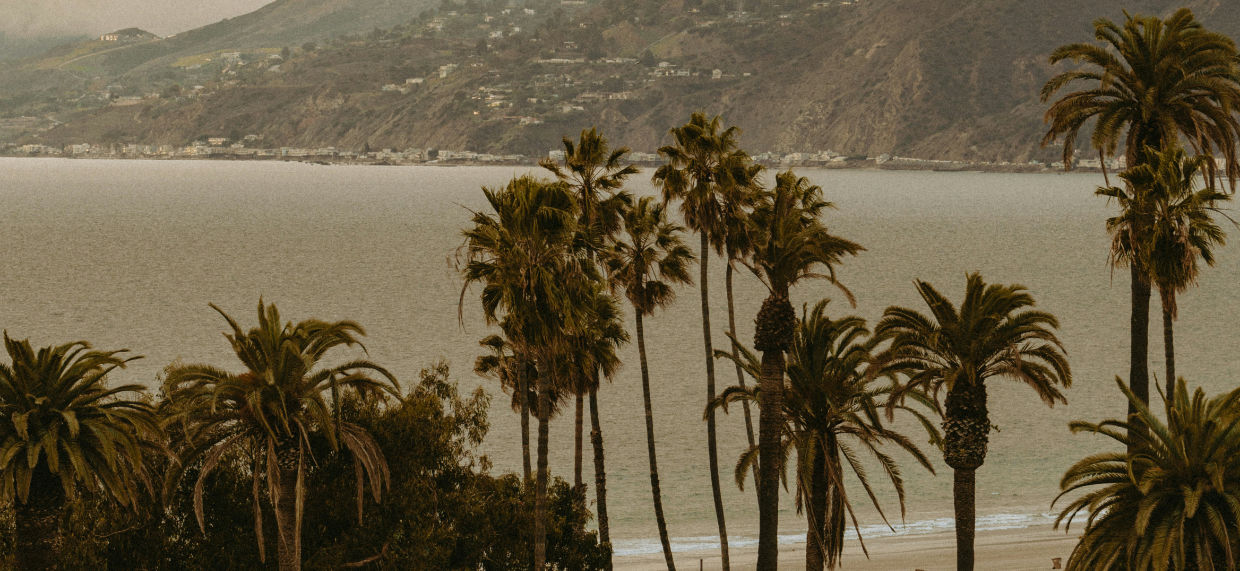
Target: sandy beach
999, 550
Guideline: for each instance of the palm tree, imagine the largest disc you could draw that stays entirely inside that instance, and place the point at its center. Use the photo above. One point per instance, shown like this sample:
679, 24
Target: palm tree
994, 333
512, 371
590, 353
790, 244
523, 254
268, 413
739, 198
832, 408
1151, 83
646, 263
596, 176
1172, 501
1182, 231
64, 432
700, 163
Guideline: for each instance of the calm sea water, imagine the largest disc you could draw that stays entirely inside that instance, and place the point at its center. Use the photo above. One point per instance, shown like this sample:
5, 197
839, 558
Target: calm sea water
129, 253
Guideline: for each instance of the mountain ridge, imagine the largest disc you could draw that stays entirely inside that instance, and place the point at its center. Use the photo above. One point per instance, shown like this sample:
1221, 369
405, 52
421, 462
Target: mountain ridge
937, 79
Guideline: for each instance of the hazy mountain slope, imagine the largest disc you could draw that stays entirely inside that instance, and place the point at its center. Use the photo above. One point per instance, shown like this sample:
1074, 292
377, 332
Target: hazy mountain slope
954, 79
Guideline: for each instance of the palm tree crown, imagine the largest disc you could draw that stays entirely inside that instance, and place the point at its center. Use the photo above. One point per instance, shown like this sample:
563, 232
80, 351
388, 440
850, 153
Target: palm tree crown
595, 172
649, 258
267, 413
1172, 501
1152, 80
61, 422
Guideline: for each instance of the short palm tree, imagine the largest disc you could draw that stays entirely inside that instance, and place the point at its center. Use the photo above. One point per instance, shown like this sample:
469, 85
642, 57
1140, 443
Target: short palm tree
1182, 232
1172, 501
502, 362
646, 261
1150, 83
590, 355
833, 409
63, 432
791, 244
523, 253
700, 164
995, 333
267, 414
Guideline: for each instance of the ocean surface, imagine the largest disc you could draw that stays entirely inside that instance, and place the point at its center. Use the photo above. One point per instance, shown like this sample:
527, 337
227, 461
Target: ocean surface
129, 253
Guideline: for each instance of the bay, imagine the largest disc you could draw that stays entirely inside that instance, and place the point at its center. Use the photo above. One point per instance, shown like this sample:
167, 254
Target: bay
129, 253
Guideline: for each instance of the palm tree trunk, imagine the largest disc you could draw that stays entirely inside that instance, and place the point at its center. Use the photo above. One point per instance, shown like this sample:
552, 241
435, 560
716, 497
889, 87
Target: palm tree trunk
963, 496
577, 431
740, 374
288, 544
540, 483
712, 451
525, 425
1139, 325
815, 536
770, 426
37, 536
654, 464
966, 429
600, 472
1168, 302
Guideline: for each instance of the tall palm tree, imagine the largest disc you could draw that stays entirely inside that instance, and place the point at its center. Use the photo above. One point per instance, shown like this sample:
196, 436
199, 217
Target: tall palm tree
523, 255
1172, 501
832, 408
702, 161
1149, 83
995, 333
1182, 232
64, 432
739, 198
646, 263
268, 413
791, 244
596, 174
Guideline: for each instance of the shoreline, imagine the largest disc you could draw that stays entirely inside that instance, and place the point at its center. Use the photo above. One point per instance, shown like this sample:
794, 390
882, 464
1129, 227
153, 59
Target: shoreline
866, 165
1021, 549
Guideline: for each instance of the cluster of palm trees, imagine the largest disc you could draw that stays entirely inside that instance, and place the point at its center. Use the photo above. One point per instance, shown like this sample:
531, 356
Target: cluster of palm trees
1158, 86
550, 253
65, 433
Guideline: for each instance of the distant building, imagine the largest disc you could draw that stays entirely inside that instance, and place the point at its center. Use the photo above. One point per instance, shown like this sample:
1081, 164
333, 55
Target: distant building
217, 141
446, 70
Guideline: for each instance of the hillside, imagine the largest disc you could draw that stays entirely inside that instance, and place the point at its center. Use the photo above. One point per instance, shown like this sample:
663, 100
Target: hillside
941, 79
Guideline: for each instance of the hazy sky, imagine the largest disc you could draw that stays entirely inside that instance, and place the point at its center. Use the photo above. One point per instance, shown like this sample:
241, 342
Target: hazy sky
163, 17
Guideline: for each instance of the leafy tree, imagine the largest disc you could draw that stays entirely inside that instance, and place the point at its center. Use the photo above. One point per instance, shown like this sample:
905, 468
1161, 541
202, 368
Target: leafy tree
1172, 500
271, 414
1150, 83
646, 262
63, 435
791, 244
994, 333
